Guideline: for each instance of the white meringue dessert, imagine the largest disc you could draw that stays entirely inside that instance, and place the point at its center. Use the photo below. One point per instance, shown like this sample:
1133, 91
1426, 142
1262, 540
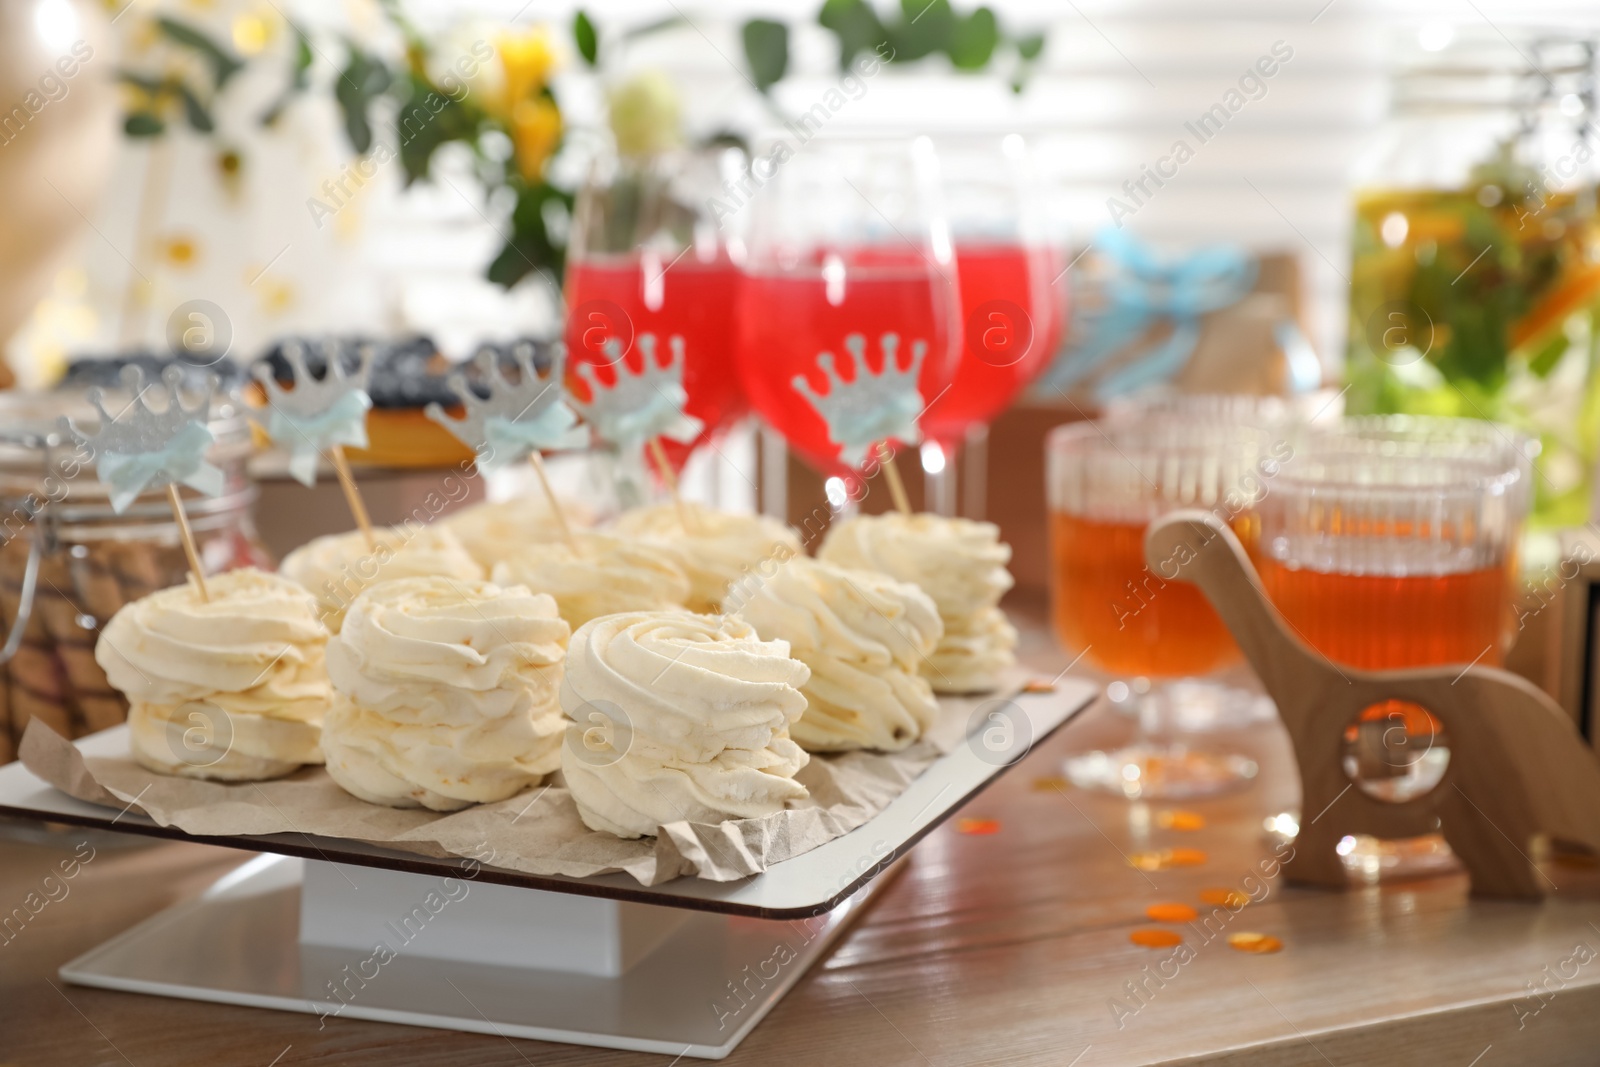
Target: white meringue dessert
606, 574
865, 636
337, 567
716, 549
491, 532
233, 688
961, 565
446, 693
679, 717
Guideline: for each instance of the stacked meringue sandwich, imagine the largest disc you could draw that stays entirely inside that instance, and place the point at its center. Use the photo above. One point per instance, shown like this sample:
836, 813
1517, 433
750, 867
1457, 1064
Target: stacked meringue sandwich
959, 563
677, 716
599, 574
232, 688
715, 548
446, 693
864, 637
336, 568
491, 532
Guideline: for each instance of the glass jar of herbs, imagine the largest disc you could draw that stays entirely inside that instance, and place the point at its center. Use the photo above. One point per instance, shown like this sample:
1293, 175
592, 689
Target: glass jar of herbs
1475, 274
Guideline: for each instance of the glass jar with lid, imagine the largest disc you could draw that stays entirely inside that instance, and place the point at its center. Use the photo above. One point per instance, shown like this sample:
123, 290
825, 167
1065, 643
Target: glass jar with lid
68, 561
1475, 274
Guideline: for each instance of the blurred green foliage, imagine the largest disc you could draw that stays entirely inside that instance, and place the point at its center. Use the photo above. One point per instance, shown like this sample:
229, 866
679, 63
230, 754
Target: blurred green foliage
427, 117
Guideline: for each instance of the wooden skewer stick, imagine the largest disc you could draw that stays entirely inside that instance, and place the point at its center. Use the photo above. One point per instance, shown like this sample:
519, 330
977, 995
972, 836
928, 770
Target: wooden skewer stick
891, 474
555, 505
352, 495
659, 454
189, 548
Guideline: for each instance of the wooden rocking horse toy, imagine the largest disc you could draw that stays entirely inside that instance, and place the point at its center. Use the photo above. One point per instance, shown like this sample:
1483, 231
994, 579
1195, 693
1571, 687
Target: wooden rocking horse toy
1516, 763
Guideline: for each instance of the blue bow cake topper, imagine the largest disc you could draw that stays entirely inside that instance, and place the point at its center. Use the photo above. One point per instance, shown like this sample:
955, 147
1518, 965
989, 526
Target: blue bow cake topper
639, 407
518, 418
874, 405
143, 447
318, 414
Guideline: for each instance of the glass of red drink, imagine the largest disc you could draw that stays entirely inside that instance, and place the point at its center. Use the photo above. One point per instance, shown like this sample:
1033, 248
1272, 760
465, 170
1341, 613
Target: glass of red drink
1011, 317
1013, 309
845, 237
647, 255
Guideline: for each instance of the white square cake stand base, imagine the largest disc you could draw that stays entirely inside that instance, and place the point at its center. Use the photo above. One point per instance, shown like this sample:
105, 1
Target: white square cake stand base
351, 941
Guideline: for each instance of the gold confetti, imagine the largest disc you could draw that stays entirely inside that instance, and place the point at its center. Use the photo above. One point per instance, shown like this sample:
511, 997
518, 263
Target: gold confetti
1155, 938
1259, 944
1167, 857
1171, 913
978, 826
1050, 783
1224, 898
1184, 821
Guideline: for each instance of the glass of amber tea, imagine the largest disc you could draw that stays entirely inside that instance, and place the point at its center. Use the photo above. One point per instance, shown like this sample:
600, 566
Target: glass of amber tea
1394, 538
1107, 481
1390, 543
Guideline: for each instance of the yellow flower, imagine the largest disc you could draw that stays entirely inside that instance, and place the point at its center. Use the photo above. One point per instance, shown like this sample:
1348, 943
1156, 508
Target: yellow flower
535, 129
276, 297
142, 36
527, 58
180, 251
252, 32
138, 98
646, 115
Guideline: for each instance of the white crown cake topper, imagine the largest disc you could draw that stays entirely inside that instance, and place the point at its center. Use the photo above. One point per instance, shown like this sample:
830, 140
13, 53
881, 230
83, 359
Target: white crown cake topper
871, 407
318, 413
518, 418
642, 406
142, 448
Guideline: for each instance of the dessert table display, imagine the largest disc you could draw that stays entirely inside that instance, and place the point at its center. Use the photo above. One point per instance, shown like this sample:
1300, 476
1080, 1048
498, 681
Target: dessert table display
436, 751
620, 785
1004, 937
636, 828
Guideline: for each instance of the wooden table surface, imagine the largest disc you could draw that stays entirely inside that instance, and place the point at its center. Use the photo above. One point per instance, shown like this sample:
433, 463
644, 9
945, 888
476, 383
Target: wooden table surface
1010, 947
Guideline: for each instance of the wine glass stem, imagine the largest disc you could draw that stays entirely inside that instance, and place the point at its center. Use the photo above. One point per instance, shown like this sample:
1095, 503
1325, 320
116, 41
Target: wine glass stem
942, 486
974, 457
1150, 717
774, 474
